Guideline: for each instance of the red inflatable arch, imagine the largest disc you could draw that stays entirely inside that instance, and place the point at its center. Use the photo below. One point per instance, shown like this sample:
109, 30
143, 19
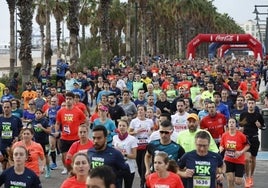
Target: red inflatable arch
221, 50
225, 39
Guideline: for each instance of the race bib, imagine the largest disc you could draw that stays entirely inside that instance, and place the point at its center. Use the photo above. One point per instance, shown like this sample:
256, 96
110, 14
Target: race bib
66, 129
230, 153
142, 141
201, 181
6, 134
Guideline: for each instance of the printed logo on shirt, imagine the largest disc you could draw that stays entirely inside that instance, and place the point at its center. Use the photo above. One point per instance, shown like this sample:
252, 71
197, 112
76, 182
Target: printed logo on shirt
6, 130
230, 148
17, 184
68, 117
97, 161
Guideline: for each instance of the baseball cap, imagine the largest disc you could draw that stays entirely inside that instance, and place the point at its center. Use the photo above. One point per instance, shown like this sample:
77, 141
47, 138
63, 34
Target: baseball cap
194, 116
144, 72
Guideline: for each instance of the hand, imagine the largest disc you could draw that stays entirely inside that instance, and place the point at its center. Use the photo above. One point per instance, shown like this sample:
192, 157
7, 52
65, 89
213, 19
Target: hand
220, 177
258, 124
189, 173
238, 154
42, 170
147, 173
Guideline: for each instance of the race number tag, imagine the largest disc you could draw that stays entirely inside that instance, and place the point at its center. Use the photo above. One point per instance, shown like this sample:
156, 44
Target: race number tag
230, 153
6, 134
66, 129
201, 181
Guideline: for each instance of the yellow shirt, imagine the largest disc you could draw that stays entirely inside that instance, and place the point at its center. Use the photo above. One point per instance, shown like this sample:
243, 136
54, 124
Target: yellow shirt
2, 87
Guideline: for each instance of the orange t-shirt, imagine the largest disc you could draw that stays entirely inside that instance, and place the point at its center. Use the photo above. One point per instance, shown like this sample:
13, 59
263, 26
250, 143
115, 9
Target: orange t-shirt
35, 151
72, 182
234, 143
27, 96
172, 181
69, 120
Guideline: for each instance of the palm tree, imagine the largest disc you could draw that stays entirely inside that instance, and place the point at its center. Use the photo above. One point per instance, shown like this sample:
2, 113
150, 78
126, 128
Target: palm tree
73, 26
12, 7
25, 14
48, 50
104, 25
59, 11
41, 21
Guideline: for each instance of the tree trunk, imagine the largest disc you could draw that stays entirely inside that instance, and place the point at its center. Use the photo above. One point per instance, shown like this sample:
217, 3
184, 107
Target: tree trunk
25, 18
42, 28
12, 52
128, 24
58, 34
48, 50
73, 26
104, 7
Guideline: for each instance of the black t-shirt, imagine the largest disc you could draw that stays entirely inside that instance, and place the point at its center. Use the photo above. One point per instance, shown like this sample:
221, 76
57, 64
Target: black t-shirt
250, 128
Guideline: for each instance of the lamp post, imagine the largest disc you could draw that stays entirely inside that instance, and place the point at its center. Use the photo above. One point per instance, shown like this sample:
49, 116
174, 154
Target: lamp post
256, 11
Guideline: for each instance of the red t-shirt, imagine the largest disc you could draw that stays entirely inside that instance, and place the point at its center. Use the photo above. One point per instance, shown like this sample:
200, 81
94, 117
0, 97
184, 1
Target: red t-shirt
215, 125
81, 106
77, 147
233, 143
69, 121
72, 182
61, 98
172, 181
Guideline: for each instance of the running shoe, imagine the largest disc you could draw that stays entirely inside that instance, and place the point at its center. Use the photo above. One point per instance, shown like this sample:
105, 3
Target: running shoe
64, 172
53, 166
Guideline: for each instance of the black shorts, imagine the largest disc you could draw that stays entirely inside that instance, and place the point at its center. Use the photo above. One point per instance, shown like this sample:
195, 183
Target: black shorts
254, 145
237, 169
5, 155
65, 145
45, 148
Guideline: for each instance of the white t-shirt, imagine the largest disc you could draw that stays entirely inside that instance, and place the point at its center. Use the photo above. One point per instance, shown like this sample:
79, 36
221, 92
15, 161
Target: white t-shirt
147, 125
179, 121
125, 146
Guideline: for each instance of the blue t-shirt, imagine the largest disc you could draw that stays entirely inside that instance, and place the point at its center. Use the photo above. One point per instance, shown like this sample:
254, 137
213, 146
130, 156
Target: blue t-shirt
52, 113
110, 126
28, 115
205, 168
28, 179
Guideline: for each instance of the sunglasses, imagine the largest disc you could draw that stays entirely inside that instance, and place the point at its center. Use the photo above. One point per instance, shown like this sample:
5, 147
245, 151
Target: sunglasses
31, 104
164, 132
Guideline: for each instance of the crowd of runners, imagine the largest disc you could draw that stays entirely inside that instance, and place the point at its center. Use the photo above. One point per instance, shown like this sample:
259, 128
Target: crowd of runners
177, 123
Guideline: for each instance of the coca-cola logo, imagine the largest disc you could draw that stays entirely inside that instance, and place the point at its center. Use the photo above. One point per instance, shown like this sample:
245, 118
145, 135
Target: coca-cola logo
253, 42
227, 38
196, 42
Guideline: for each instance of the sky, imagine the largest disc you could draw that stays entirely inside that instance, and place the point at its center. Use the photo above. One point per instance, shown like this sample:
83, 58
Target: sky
239, 10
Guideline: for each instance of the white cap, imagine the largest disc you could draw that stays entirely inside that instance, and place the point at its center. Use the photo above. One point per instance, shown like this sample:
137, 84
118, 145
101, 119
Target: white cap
144, 72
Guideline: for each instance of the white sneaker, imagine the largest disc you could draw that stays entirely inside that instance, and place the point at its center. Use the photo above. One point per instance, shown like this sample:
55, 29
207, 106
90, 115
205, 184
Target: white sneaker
64, 172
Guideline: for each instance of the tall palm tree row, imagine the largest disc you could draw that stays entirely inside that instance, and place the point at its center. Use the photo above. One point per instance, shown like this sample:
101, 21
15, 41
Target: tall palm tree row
163, 27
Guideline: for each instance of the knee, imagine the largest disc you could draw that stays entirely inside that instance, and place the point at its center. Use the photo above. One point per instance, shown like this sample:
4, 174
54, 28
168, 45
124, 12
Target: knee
238, 181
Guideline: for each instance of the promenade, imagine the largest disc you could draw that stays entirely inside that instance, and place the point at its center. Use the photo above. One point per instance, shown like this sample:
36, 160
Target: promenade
5, 64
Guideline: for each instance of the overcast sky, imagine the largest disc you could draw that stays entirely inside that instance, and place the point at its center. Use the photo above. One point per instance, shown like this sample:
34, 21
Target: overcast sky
240, 10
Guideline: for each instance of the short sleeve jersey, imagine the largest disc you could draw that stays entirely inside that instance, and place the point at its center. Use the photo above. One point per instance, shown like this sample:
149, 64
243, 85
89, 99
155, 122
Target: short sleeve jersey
28, 179
69, 120
204, 167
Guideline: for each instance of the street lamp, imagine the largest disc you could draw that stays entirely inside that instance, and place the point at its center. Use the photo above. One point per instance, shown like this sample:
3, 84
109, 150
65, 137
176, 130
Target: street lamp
256, 11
